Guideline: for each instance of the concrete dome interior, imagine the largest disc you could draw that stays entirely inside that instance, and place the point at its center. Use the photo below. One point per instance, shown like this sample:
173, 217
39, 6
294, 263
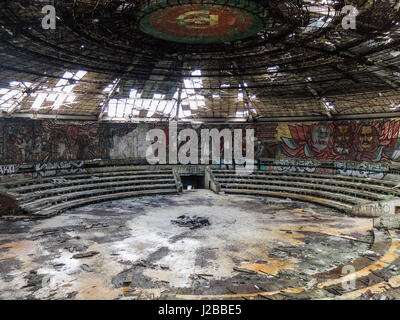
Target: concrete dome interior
199, 149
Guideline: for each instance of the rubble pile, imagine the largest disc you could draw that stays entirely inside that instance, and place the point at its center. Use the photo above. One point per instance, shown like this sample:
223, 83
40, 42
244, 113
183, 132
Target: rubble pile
193, 222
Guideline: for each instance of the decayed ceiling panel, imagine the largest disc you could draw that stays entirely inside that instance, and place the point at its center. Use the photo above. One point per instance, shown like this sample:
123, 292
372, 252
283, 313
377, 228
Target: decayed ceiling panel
103, 60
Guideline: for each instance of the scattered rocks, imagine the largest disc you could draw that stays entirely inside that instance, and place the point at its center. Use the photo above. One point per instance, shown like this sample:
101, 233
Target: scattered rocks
95, 225
35, 281
144, 264
71, 295
191, 222
125, 262
85, 254
368, 295
86, 268
371, 253
57, 265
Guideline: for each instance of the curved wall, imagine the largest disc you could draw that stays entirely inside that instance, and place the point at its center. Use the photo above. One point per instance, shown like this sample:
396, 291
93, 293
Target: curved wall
43, 141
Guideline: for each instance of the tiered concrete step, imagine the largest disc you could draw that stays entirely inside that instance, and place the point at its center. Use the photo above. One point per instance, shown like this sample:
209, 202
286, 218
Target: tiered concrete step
258, 183
113, 172
325, 202
61, 207
385, 183
335, 191
87, 180
50, 196
371, 188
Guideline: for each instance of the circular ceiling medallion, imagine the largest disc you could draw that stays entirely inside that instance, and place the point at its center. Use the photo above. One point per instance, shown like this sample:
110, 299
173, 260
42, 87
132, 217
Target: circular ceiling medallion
200, 23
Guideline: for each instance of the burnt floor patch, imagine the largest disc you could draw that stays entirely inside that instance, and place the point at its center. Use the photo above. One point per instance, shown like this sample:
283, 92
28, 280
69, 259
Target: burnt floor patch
134, 276
205, 257
9, 265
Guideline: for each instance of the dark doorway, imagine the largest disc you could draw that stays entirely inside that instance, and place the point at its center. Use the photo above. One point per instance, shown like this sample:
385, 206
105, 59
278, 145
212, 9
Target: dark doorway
196, 181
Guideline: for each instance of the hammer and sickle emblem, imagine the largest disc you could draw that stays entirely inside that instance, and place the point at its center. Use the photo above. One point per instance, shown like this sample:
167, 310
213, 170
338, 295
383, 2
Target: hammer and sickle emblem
200, 19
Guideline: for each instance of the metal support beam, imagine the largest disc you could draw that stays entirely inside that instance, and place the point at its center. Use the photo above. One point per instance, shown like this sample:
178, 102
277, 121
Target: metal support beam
320, 100
104, 103
25, 96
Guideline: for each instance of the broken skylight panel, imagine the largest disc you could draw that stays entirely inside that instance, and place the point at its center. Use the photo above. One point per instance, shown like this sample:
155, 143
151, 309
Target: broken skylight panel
328, 105
12, 96
394, 106
8, 97
273, 69
61, 94
242, 114
65, 87
120, 108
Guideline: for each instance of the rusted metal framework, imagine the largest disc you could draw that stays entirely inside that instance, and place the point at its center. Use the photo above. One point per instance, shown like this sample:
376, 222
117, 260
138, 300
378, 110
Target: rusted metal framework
98, 63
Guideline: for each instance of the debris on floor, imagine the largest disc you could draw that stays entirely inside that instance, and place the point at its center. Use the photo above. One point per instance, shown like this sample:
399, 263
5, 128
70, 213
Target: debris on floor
139, 249
86, 268
244, 270
368, 295
85, 254
35, 281
144, 264
193, 222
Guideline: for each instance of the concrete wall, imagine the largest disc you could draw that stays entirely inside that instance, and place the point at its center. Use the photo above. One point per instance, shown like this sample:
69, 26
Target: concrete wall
386, 213
378, 208
43, 141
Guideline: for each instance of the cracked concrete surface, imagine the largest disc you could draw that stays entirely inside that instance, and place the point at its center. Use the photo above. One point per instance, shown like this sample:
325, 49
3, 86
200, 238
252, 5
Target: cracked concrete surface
253, 244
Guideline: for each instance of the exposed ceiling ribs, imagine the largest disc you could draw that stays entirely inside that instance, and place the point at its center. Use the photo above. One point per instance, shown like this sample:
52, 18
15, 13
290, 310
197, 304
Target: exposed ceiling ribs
302, 63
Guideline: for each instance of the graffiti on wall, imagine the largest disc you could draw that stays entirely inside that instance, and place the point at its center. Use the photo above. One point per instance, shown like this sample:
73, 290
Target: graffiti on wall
375, 141
293, 165
10, 169
59, 168
361, 170
374, 170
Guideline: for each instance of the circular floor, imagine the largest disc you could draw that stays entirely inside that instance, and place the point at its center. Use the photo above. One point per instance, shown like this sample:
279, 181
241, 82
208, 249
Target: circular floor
254, 248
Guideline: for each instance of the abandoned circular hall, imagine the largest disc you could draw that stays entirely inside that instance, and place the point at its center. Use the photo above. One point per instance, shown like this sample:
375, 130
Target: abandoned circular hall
199, 150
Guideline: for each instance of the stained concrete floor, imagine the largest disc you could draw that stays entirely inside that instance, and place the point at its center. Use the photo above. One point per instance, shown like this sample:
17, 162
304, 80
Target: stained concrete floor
254, 248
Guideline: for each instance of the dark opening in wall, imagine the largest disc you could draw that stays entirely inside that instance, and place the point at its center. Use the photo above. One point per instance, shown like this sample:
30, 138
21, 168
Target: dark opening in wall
196, 181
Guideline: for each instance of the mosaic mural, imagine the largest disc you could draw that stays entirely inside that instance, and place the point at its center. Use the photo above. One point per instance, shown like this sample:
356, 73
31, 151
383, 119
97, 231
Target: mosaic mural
50, 141
376, 141
200, 23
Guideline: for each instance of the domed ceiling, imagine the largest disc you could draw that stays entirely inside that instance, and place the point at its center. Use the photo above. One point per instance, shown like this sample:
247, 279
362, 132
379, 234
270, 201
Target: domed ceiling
197, 60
